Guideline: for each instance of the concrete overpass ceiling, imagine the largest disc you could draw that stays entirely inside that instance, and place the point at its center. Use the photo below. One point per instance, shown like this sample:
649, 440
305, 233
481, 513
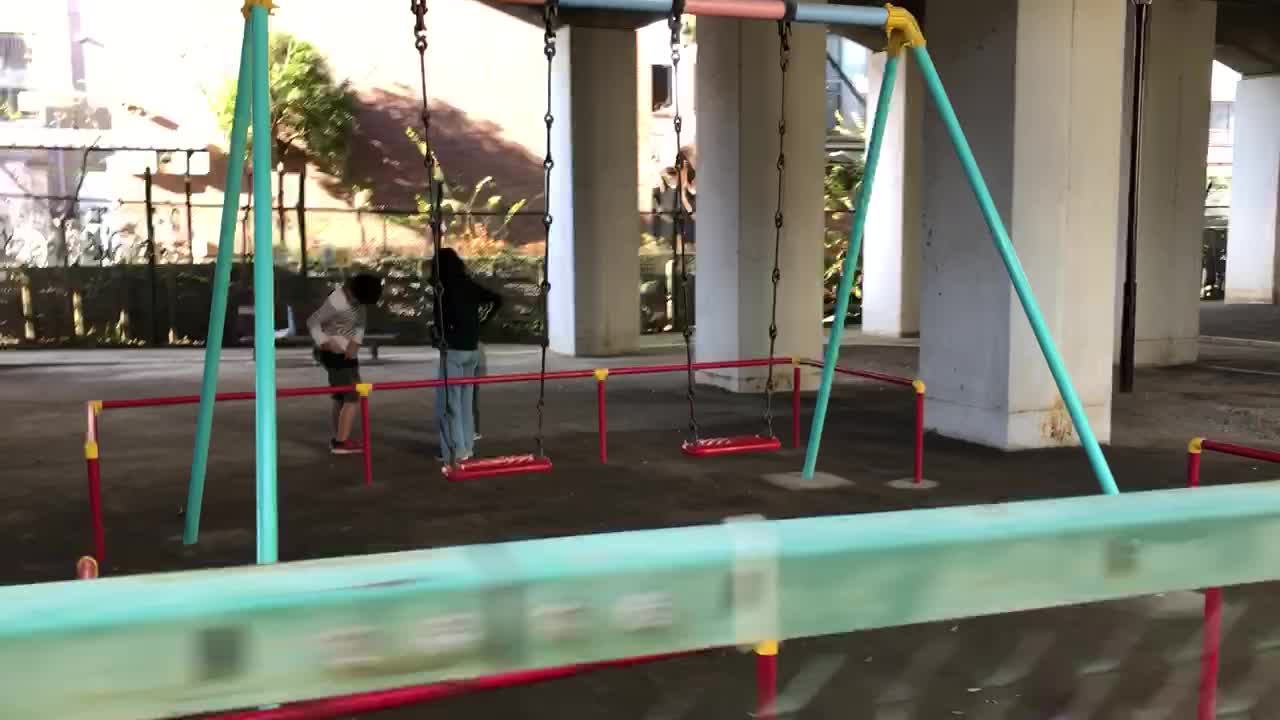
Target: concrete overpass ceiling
605, 19
1249, 36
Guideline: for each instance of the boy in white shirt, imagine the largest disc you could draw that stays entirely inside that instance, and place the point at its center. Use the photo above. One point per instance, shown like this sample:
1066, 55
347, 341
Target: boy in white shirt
337, 328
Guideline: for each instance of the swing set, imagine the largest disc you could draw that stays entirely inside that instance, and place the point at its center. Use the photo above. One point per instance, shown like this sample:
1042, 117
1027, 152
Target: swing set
695, 445
902, 34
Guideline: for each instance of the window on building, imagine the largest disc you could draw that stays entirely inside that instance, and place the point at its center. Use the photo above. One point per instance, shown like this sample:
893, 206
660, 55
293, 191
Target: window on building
661, 92
1220, 115
15, 56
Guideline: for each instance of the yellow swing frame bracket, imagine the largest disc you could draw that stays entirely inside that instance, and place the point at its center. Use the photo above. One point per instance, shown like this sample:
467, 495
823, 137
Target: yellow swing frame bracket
268, 5
902, 30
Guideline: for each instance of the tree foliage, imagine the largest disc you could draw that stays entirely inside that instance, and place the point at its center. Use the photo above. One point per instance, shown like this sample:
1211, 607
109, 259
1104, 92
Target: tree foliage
312, 112
841, 182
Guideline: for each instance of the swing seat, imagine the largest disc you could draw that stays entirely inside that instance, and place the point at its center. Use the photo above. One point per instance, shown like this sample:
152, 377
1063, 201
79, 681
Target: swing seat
496, 466
731, 445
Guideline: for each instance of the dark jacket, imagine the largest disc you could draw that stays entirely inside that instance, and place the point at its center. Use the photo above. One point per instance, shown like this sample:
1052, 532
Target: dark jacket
463, 307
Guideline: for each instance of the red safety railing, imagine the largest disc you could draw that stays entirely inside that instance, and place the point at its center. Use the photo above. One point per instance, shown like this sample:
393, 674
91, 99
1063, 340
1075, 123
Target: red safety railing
402, 697
1211, 639
917, 386
601, 375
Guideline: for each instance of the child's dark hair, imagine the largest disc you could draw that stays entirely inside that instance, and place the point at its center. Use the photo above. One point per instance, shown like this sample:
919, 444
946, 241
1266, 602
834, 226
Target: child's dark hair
366, 288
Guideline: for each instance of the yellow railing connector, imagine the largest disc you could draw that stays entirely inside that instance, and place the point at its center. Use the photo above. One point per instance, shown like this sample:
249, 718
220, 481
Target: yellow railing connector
601, 374
364, 389
1195, 446
91, 450
902, 29
918, 385
97, 407
87, 568
767, 648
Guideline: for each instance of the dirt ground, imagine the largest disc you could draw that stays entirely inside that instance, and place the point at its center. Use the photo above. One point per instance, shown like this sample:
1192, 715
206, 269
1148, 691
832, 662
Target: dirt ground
1132, 659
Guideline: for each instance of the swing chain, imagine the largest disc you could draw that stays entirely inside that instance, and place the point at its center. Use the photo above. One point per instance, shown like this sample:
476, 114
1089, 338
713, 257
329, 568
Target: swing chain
435, 190
784, 59
678, 240
550, 19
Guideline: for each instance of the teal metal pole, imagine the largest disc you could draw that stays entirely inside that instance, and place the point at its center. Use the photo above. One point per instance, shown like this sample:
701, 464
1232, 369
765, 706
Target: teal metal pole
218, 300
264, 307
1019, 278
847, 270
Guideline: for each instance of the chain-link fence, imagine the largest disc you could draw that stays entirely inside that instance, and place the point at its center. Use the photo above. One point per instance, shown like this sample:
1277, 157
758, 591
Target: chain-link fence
99, 275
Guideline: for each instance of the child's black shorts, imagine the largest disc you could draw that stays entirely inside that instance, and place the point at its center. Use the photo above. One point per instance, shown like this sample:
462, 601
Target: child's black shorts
342, 371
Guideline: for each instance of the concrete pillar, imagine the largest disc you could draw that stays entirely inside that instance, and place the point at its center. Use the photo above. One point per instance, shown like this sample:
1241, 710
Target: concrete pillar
1171, 182
1036, 89
891, 247
737, 104
595, 265
1253, 264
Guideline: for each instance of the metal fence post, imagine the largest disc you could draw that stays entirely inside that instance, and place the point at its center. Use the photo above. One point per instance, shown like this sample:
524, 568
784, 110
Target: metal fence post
151, 259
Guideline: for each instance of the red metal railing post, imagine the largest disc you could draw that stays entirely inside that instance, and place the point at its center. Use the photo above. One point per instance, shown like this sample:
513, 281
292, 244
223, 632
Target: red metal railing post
795, 403
766, 680
1211, 632
1193, 461
364, 389
95, 499
1212, 637
918, 386
602, 374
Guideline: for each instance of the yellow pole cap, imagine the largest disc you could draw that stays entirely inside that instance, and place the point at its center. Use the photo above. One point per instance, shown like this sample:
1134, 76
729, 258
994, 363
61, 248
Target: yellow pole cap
364, 389
97, 406
1195, 446
918, 384
91, 450
902, 29
767, 648
601, 374
795, 361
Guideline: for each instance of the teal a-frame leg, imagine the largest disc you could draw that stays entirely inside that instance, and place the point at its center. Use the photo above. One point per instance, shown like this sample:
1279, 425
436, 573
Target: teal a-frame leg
253, 100
903, 32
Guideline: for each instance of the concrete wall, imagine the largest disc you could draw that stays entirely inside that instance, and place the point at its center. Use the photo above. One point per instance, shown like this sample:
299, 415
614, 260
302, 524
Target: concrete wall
1036, 88
891, 247
1171, 182
595, 264
1255, 193
739, 94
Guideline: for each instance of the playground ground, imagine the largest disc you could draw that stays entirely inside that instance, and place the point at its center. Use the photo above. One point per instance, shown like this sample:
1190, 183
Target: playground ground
1131, 659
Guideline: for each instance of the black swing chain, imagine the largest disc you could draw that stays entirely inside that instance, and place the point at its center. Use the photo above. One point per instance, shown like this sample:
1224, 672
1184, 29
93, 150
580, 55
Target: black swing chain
435, 190
678, 211
550, 19
784, 59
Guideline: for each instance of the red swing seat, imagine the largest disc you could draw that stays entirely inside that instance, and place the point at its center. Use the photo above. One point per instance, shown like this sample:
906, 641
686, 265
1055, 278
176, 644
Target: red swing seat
496, 466
706, 447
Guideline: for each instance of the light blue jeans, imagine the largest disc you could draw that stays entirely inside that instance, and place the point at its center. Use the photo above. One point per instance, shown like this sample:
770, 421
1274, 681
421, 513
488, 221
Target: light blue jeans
455, 410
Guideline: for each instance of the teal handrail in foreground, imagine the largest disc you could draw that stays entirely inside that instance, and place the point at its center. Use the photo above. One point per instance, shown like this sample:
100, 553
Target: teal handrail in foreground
197, 642
849, 267
221, 288
264, 308
1021, 285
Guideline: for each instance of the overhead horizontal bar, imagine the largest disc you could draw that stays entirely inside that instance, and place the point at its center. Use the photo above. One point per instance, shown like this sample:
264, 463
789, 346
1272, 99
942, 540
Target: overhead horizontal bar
244, 637
749, 9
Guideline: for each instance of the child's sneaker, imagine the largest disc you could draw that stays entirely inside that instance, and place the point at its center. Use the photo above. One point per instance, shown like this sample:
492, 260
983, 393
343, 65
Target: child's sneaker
346, 447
